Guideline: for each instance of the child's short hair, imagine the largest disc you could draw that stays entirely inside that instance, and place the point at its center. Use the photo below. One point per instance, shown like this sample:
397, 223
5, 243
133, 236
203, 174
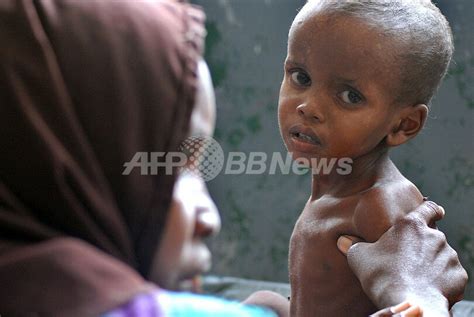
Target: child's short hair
421, 32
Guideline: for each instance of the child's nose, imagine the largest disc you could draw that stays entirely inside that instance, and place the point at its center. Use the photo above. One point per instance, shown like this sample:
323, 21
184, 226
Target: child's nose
310, 112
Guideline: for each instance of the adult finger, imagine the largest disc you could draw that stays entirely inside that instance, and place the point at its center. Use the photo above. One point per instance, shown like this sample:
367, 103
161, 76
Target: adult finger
345, 242
391, 311
358, 258
400, 307
383, 313
429, 212
413, 311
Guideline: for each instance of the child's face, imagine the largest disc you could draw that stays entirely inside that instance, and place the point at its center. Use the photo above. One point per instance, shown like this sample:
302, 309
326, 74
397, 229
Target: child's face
336, 99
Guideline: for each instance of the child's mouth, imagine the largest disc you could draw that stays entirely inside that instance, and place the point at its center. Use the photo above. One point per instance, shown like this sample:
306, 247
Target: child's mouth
305, 138
303, 134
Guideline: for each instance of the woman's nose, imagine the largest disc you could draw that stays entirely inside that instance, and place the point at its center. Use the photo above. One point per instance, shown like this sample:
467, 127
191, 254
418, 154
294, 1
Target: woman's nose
208, 221
309, 112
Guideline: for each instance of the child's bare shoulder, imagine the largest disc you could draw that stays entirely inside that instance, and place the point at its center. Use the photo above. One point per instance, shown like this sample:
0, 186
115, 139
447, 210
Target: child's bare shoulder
382, 205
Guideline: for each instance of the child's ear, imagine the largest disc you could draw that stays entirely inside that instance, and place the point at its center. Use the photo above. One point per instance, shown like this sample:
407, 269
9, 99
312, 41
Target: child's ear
411, 121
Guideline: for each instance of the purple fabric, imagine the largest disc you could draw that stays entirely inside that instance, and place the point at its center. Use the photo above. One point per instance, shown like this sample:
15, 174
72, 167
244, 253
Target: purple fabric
160, 303
143, 305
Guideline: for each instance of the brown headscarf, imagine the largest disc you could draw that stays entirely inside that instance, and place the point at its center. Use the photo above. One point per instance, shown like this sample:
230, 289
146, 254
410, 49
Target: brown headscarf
84, 86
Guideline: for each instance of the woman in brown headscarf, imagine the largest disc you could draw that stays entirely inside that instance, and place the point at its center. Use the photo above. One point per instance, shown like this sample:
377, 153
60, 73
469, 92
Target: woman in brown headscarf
85, 86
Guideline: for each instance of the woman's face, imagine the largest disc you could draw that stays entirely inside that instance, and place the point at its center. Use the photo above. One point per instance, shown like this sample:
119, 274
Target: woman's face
193, 216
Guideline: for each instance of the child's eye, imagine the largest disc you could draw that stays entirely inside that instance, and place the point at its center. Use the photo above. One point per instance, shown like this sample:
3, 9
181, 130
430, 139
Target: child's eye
351, 97
300, 78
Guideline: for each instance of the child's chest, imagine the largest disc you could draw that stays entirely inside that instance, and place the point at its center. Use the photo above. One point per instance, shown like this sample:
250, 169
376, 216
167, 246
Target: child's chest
314, 239
322, 283
326, 219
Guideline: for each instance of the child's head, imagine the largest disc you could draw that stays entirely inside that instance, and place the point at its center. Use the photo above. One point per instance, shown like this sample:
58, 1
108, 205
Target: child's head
359, 74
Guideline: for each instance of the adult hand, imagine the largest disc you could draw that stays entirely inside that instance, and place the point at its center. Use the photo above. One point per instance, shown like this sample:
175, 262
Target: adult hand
411, 261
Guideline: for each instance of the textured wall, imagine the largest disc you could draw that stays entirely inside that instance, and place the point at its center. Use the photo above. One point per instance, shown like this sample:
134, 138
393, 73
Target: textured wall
246, 47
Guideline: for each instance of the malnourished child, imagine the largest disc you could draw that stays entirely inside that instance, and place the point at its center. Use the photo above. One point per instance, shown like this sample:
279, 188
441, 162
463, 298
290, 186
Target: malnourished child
359, 76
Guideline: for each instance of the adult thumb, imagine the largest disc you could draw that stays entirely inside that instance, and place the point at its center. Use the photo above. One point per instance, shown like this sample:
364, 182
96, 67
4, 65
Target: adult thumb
345, 242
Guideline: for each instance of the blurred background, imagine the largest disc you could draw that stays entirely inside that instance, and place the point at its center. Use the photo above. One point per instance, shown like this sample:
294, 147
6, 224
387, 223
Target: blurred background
246, 47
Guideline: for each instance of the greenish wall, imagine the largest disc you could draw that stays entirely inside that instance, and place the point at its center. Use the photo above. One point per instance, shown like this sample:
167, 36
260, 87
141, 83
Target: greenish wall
246, 47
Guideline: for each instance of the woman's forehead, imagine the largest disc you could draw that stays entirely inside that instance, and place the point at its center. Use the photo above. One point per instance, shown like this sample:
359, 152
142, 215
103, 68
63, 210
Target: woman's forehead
204, 111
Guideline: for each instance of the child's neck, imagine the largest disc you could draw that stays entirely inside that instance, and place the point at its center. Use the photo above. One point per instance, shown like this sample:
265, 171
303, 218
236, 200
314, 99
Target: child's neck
366, 170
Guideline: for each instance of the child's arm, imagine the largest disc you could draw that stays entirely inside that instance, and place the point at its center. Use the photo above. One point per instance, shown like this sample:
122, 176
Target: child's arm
380, 207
